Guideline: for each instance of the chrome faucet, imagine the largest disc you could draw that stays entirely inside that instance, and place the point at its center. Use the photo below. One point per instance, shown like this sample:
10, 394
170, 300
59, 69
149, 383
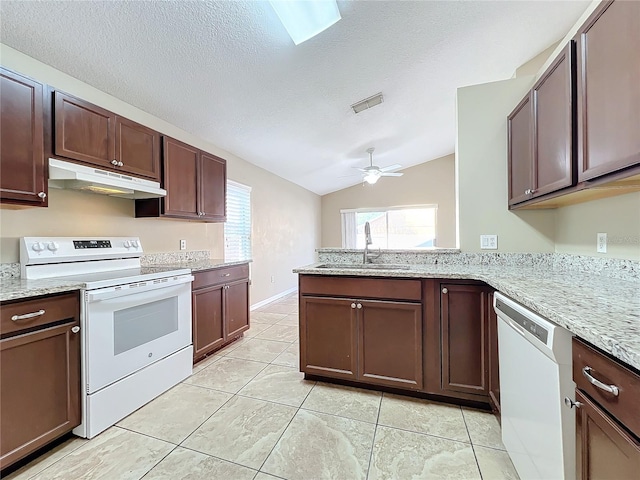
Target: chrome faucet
366, 258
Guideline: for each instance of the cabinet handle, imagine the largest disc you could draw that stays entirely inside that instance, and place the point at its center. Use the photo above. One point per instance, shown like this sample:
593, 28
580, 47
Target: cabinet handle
359, 306
42, 196
15, 318
226, 274
353, 305
445, 290
570, 403
120, 164
114, 162
586, 371
75, 329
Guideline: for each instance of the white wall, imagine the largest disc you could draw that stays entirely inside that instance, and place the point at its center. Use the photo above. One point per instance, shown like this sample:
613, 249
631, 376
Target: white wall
286, 217
428, 183
481, 172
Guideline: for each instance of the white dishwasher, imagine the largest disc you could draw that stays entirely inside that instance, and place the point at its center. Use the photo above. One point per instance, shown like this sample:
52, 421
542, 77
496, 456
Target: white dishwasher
535, 377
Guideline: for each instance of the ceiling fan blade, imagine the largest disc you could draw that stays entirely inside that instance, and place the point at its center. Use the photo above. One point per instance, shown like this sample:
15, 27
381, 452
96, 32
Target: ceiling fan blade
388, 174
390, 167
358, 168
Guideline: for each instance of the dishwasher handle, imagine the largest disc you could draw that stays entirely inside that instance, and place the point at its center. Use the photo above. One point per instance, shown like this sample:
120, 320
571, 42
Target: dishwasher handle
586, 371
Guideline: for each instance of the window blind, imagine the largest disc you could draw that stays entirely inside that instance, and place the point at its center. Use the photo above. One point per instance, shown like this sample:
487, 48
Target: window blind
237, 228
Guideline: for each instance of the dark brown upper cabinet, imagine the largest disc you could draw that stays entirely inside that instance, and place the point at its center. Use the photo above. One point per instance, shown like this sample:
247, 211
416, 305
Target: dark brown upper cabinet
196, 184
22, 162
520, 152
90, 134
608, 62
540, 134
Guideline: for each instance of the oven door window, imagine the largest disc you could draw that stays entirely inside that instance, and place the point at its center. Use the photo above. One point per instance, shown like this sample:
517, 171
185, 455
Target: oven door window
135, 326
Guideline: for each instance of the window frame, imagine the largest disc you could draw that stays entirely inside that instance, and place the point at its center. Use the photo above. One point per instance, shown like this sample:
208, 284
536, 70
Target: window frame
244, 228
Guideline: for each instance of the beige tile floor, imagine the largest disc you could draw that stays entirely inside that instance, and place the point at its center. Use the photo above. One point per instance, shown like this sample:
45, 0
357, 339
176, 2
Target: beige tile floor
247, 413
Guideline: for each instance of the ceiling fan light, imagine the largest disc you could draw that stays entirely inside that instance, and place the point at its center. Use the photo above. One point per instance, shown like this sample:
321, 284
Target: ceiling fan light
371, 178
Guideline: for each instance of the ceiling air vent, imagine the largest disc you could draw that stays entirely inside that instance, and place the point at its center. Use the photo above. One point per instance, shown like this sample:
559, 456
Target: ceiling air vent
367, 103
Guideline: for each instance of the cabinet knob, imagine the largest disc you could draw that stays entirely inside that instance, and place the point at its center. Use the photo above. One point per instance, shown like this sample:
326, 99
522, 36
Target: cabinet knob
120, 164
75, 329
114, 162
445, 290
359, 306
353, 305
42, 196
226, 274
570, 403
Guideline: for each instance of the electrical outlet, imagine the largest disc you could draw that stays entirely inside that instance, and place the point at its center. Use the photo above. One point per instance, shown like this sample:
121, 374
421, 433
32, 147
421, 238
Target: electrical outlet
183, 244
273, 279
489, 242
601, 244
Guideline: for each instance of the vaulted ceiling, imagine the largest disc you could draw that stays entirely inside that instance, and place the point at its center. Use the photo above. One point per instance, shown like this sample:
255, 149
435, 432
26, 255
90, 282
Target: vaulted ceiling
228, 72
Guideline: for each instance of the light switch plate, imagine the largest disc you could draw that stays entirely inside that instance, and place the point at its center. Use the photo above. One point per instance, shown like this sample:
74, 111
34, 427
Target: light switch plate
601, 243
183, 244
489, 242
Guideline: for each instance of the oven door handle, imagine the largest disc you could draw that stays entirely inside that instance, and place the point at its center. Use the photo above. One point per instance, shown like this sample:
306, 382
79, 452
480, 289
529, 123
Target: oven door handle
138, 287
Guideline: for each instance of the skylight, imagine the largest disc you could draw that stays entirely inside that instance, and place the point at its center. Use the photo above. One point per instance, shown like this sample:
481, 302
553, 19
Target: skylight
304, 19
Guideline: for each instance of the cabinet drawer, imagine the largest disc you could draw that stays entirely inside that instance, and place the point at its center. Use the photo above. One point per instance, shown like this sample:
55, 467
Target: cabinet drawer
624, 406
361, 287
54, 309
220, 275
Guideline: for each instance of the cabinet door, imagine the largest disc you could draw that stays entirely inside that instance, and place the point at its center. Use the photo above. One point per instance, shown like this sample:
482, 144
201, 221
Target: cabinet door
604, 450
22, 162
181, 170
494, 369
608, 95
84, 131
208, 320
138, 148
464, 338
236, 308
552, 126
328, 337
40, 389
520, 152
213, 187
390, 343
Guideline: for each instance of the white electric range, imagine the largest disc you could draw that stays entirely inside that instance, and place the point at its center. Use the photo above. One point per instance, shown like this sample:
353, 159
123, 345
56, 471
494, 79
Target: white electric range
135, 321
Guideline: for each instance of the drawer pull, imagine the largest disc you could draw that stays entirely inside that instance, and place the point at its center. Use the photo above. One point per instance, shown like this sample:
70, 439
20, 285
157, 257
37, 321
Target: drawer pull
586, 371
15, 318
226, 274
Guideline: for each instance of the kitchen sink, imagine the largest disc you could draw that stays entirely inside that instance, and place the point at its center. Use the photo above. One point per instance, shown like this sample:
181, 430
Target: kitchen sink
363, 266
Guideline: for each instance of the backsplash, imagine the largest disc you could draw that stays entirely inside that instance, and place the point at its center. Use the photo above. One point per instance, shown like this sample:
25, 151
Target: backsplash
607, 267
9, 270
174, 257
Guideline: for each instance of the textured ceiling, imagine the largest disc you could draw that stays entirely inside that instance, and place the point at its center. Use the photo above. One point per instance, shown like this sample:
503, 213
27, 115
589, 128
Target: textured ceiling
228, 72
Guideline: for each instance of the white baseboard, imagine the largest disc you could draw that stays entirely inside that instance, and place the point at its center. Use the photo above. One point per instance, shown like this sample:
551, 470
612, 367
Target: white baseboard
273, 299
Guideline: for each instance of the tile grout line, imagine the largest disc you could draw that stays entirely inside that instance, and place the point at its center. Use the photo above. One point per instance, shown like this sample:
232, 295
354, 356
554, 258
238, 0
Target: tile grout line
286, 428
473, 449
49, 466
373, 441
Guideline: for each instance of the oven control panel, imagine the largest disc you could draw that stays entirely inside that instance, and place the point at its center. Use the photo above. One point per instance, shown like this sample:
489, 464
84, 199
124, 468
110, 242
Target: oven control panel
41, 250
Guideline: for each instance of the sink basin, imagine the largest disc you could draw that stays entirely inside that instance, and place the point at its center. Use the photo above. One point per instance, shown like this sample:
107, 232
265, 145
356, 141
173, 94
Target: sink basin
363, 266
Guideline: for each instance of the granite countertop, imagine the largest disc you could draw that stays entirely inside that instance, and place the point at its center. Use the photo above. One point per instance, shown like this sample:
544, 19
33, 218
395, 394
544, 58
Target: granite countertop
16, 288
200, 265
601, 310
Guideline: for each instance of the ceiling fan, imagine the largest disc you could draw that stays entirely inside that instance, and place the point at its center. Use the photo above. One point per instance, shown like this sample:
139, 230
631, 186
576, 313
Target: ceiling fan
372, 173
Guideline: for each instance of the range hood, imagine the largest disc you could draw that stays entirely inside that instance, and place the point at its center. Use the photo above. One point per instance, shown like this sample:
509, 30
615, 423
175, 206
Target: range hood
89, 179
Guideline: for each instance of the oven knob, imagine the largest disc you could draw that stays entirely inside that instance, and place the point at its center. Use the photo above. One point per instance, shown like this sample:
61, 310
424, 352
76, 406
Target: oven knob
127, 244
53, 246
37, 246
135, 244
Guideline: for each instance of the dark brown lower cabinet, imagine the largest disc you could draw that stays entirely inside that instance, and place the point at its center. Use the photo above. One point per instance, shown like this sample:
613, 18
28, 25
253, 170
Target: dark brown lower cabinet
328, 337
39, 375
390, 341
604, 449
494, 368
464, 313
220, 301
